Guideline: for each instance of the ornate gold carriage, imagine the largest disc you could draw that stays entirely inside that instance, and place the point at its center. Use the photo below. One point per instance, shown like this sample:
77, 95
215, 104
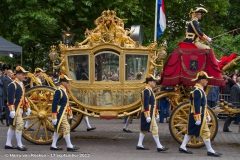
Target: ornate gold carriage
108, 69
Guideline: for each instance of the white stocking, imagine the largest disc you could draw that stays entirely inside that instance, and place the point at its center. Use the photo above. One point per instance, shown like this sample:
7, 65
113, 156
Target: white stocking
18, 137
140, 140
10, 134
157, 141
55, 138
87, 122
208, 145
26, 124
185, 141
68, 141
127, 123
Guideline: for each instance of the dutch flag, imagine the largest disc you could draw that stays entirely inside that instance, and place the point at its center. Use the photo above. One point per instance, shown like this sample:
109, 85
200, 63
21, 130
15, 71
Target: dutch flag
161, 18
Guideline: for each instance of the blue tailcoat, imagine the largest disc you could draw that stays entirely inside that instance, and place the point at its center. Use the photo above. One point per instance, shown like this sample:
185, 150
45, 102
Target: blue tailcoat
15, 97
148, 105
193, 28
198, 106
59, 105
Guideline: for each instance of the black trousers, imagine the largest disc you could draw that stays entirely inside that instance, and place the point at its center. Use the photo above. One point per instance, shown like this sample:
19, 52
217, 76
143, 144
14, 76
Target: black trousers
6, 111
228, 121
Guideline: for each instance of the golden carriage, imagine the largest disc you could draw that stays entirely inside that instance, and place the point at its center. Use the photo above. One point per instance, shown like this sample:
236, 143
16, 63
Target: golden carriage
108, 69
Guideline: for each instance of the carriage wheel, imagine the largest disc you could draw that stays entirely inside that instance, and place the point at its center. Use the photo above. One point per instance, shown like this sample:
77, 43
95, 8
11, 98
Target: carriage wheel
77, 118
178, 126
40, 99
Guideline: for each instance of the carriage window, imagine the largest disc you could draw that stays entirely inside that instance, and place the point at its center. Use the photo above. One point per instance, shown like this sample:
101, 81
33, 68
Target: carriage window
135, 66
79, 67
107, 66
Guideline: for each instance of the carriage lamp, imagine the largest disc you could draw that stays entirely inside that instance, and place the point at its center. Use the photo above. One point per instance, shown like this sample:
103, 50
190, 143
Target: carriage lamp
53, 55
161, 53
67, 36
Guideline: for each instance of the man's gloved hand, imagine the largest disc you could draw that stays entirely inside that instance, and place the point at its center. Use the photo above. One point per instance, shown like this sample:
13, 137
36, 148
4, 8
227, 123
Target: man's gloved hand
70, 117
12, 114
208, 118
157, 116
198, 122
54, 121
148, 119
28, 111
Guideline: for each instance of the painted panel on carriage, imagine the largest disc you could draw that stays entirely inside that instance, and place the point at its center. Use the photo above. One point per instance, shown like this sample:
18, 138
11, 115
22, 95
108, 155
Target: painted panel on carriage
105, 98
79, 67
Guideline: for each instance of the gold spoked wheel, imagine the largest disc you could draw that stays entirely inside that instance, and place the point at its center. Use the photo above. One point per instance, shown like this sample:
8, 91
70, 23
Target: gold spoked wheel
178, 125
77, 117
40, 99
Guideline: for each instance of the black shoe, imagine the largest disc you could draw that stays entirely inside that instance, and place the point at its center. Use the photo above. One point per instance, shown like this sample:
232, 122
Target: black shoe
219, 153
162, 149
56, 149
23, 148
73, 149
73, 130
227, 131
216, 154
1, 119
185, 151
30, 129
10, 147
126, 130
89, 129
141, 148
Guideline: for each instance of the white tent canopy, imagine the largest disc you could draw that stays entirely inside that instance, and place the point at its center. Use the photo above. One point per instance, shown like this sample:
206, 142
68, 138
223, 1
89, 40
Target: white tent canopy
9, 49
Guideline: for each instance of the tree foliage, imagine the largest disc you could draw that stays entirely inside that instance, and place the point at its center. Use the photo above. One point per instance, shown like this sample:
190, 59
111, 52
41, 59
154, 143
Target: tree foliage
37, 24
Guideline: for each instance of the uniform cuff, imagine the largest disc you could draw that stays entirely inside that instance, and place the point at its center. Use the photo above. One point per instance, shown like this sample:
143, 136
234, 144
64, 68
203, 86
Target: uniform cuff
203, 38
146, 114
54, 115
11, 107
197, 117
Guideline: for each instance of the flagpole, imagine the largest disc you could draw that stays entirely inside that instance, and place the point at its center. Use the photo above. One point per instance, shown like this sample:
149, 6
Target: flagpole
155, 29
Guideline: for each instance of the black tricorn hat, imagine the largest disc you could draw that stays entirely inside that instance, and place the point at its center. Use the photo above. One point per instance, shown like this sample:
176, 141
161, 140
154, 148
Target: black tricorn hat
20, 69
201, 75
197, 10
150, 77
63, 78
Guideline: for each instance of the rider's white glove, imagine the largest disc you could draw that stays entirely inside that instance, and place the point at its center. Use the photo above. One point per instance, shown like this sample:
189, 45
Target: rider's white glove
12, 114
70, 117
209, 39
148, 119
157, 116
198, 122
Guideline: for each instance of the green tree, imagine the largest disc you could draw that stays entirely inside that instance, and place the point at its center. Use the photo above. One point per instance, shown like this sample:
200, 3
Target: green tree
37, 24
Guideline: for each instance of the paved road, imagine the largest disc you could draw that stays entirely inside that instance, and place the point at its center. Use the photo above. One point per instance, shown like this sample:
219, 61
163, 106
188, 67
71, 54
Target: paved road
109, 142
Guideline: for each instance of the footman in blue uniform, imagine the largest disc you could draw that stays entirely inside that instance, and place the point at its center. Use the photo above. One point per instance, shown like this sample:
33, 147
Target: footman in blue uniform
199, 116
60, 112
16, 101
149, 114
